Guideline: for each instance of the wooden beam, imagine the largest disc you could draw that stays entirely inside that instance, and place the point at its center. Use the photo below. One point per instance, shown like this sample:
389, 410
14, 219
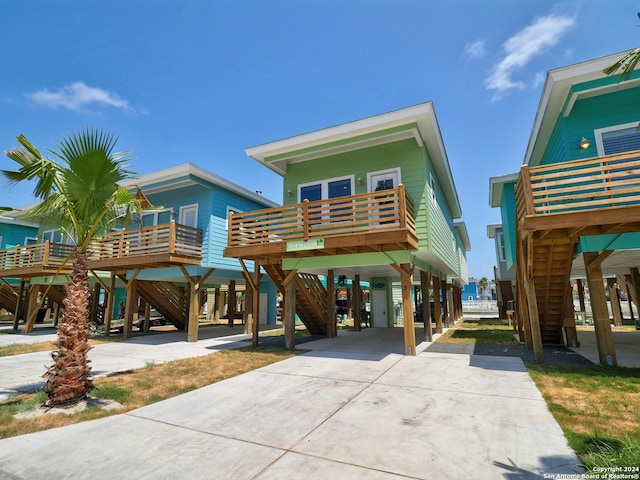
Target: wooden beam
255, 330
232, 303
358, 304
635, 281
19, 304
332, 322
425, 279
407, 309
194, 309
436, 303
99, 280
569, 319
289, 321
616, 309
536, 335
595, 261
131, 307
601, 322
111, 298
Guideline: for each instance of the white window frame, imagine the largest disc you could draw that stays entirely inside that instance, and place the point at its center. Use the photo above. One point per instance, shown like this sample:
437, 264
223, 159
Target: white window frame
155, 215
181, 213
230, 210
432, 186
599, 131
396, 171
501, 246
26, 240
0, 241
324, 186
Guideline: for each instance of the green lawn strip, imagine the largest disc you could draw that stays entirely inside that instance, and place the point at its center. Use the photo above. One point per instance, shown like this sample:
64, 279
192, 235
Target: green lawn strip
484, 331
598, 409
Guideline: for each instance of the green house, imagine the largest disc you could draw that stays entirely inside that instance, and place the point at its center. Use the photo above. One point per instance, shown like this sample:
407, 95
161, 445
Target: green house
372, 200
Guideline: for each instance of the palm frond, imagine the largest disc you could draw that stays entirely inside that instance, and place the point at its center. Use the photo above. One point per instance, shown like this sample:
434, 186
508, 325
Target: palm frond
626, 65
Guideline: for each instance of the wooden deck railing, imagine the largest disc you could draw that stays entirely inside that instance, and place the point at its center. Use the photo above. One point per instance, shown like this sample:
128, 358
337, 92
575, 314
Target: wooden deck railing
45, 254
171, 239
580, 185
355, 214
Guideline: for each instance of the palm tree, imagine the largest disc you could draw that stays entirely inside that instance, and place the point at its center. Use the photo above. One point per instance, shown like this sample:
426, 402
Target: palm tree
626, 64
483, 283
79, 192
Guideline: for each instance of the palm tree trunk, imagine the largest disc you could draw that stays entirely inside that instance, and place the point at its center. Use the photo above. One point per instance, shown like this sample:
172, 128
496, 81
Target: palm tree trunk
68, 380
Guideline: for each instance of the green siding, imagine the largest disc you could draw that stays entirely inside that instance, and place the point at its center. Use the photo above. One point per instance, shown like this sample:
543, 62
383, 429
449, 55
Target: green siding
508, 213
434, 222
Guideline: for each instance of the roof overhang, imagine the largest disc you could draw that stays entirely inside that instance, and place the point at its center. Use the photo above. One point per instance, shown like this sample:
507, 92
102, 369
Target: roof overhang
461, 227
496, 187
493, 229
188, 174
418, 122
558, 98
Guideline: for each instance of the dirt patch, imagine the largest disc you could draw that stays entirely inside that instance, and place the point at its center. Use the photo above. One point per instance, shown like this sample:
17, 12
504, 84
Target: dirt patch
90, 402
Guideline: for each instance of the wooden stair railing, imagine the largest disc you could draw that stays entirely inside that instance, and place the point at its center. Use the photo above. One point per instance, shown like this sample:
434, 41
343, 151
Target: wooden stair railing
8, 298
168, 300
311, 298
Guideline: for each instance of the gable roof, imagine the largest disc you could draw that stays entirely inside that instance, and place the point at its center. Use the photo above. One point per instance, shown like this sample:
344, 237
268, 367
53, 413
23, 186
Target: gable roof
558, 98
184, 175
418, 122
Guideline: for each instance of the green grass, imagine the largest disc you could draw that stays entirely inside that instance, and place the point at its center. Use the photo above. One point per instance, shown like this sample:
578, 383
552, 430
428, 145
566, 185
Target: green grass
483, 331
598, 409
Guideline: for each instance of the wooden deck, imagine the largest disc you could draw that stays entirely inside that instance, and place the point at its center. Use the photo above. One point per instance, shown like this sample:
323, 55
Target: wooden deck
594, 196
369, 222
165, 245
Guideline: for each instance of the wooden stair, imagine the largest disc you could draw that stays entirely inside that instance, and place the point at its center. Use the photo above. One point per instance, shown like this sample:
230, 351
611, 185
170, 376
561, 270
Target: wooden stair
8, 297
311, 298
169, 301
551, 274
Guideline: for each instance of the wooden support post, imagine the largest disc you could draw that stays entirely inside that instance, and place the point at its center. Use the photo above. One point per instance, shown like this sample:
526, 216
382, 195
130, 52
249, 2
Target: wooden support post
445, 304
289, 320
604, 337
425, 279
111, 298
95, 298
19, 304
569, 320
32, 305
635, 281
255, 328
583, 307
332, 321
616, 309
194, 309
147, 317
358, 304
232, 303
436, 303
130, 308
407, 309
534, 320
248, 309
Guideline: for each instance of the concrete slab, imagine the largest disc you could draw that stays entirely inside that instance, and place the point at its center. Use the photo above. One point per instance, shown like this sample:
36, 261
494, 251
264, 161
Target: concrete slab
627, 344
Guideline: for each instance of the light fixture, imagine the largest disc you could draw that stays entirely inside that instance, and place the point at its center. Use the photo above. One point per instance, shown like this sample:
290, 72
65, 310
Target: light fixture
359, 181
584, 143
289, 193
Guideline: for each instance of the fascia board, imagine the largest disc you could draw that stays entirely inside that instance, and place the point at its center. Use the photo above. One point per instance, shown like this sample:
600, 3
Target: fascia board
496, 187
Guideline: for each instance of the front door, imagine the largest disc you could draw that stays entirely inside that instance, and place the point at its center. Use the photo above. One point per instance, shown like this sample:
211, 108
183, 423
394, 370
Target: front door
189, 215
379, 310
384, 180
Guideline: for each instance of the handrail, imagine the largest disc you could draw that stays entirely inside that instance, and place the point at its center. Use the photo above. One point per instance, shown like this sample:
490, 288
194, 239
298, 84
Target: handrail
172, 238
579, 185
363, 213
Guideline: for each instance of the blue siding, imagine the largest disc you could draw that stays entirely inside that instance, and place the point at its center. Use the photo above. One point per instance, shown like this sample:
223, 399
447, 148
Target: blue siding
15, 234
508, 213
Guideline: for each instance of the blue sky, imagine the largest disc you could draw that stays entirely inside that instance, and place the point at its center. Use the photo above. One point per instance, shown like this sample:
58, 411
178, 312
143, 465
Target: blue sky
200, 80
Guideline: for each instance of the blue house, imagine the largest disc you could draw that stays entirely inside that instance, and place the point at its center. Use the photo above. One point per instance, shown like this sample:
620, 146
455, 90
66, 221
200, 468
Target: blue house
573, 210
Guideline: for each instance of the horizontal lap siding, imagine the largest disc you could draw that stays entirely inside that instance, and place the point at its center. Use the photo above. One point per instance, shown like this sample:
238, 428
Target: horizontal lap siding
15, 234
509, 214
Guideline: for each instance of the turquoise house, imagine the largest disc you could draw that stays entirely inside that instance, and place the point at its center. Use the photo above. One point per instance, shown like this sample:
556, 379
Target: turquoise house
572, 211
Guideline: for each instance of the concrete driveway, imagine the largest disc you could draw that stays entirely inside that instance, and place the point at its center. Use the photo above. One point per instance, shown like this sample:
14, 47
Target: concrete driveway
344, 410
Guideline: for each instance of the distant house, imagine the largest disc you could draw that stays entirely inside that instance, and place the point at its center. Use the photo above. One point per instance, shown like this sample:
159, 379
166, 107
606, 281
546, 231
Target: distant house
470, 291
371, 200
504, 277
573, 210
168, 258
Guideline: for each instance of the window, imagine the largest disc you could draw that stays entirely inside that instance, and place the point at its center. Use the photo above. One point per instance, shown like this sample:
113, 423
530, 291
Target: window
618, 139
333, 188
432, 185
501, 248
27, 240
150, 219
189, 215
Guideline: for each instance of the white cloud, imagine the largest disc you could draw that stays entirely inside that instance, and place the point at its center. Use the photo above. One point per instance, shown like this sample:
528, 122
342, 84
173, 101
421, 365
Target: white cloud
532, 40
476, 49
77, 97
